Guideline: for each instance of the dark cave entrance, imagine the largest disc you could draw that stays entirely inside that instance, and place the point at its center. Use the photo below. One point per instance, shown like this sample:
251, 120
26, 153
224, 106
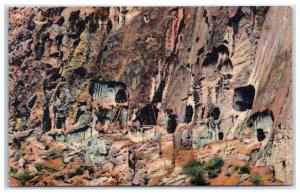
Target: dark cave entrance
172, 122
121, 96
260, 134
147, 115
221, 135
81, 72
211, 58
214, 113
243, 98
261, 123
189, 112
59, 122
46, 119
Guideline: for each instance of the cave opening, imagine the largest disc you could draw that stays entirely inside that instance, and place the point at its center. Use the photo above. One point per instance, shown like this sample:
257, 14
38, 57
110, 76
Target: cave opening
59, 39
243, 98
60, 21
223, 49
109, 26
261, 123
121, 96
81, 72
117, 90
214, 113
60, 122
54, 74
189, 112
221, 135
74, 17
211, 58
259, 116
172, 121
147, 115
260, 134
92, 24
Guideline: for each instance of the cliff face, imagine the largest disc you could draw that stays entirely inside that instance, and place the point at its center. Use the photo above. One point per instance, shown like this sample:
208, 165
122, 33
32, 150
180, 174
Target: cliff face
129, 95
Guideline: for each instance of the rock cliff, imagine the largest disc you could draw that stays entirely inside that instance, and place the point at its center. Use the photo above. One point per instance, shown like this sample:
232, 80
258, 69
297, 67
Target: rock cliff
130, 95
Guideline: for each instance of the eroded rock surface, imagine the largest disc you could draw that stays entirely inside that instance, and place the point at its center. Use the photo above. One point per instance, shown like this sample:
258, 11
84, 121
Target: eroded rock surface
129, 95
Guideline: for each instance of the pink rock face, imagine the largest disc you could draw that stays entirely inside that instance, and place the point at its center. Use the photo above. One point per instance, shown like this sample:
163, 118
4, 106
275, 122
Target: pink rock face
140, 96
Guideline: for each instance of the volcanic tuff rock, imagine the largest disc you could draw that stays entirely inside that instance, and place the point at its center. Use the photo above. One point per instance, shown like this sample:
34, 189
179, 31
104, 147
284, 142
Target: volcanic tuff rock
130, 95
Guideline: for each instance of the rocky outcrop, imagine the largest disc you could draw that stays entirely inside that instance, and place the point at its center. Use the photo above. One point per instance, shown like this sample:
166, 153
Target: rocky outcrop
129, 95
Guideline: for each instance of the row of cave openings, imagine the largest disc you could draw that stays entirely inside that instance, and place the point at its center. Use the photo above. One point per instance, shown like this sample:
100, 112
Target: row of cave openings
147, 115
242, 100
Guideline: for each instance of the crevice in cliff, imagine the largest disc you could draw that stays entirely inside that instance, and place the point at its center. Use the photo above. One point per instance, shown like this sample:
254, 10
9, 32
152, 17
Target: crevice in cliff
109, 26
157, 97
46, 119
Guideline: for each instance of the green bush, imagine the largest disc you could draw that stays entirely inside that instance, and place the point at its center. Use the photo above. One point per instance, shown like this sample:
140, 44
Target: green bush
256, 180
213, 166
213, 173
193, 166
215, 163
23, 177
198, 179
244, 170
79, 171
195, 170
